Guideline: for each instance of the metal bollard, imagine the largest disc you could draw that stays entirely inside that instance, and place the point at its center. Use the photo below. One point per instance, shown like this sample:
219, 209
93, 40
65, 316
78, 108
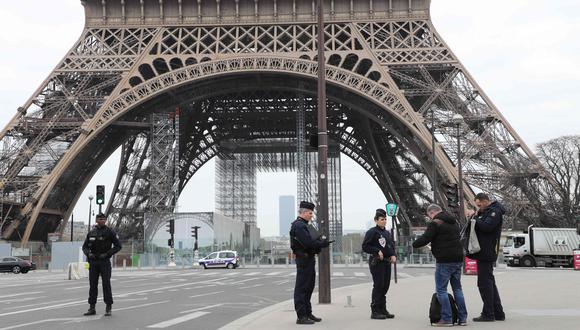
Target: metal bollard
348, 301
124, 264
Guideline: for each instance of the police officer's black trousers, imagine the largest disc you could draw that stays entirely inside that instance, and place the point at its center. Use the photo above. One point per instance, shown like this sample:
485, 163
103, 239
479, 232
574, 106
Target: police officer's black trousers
381, 272
305, 282
100, 267
492, 307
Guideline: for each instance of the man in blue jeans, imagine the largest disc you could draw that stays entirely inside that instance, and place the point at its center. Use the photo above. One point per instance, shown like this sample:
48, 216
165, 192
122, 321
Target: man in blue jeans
443, 233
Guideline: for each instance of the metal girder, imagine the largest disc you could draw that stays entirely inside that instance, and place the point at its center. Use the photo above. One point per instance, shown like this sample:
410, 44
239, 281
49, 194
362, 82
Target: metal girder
386, 65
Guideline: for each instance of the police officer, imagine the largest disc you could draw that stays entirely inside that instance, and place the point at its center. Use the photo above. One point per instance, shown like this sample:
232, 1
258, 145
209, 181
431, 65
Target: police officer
378, 243
488, 225
100, 245
305, 243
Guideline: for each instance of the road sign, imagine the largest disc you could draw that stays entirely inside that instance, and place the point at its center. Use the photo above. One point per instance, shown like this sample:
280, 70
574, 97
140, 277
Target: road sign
392, 209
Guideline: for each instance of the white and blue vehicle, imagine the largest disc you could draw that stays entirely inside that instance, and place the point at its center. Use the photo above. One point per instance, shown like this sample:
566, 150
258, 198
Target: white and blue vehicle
221, 259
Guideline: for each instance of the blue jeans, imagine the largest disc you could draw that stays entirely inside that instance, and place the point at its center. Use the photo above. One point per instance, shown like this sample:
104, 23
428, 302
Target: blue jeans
445, 273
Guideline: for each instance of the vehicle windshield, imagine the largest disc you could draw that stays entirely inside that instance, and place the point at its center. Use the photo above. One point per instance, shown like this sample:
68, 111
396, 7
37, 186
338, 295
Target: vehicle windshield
509, 242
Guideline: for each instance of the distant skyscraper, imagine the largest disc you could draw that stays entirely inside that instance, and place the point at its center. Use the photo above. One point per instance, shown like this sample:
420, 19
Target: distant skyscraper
287, 205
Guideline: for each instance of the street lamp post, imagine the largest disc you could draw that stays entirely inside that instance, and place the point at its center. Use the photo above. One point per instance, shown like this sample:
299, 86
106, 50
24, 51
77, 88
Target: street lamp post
433, 164
458, 120
90, 210
324, 256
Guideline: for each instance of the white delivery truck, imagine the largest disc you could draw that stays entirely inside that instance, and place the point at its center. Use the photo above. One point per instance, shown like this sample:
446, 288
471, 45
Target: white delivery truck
549, 247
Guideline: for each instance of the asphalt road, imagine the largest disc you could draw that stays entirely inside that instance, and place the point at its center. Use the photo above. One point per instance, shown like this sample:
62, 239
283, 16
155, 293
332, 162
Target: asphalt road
156, 299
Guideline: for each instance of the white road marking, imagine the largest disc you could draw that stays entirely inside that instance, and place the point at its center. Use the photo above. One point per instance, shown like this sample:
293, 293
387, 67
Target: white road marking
42, 321
360, 274
337, 274
137, 280
78, 287
39, 304
20, 294
80, 302
20, 299
206, 294
272, 273
201, 308
178, 320
242, 281
251, 286
252, 274
143, 305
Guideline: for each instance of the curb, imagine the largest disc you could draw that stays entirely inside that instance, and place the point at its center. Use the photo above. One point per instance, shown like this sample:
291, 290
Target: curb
248, 319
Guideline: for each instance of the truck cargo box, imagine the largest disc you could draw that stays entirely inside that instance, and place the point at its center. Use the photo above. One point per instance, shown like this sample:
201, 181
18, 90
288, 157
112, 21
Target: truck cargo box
554, 241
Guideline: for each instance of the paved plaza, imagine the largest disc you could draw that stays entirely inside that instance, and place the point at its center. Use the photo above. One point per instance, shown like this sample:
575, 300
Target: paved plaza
258, 298
533, 299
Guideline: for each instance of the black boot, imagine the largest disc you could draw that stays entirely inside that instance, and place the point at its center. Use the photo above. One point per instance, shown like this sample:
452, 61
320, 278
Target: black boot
376, 313
385, 312
304, 320
378, 316
108, 310
388, 315
91, 310
314, 318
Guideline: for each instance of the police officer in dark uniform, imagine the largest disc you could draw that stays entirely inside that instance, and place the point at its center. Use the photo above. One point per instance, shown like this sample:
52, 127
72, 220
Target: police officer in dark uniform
378, 243
100, 245
488, 225
305, 242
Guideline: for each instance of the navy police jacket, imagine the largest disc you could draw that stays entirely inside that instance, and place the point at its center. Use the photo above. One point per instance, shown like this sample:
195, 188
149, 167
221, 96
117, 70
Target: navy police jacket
101, 243
304, 240
488, 224
377, 239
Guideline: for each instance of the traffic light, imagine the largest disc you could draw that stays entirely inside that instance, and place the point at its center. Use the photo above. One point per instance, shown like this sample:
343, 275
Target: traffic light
194, 235
170, 242
578, 227
100, 195
171, 226
451, 193
194, 231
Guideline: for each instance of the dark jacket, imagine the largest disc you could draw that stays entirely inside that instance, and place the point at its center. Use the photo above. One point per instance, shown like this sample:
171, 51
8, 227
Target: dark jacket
101, 243
443, 233
305, 240
488, 224
377, 239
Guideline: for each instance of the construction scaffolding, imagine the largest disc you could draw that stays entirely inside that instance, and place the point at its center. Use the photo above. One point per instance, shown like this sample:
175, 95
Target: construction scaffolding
236, 173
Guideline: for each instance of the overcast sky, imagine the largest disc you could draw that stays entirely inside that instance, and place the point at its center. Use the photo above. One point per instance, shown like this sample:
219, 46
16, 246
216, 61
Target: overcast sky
523, 53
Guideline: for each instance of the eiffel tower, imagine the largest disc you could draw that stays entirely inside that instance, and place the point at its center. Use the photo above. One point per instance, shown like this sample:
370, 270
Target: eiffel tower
239, 71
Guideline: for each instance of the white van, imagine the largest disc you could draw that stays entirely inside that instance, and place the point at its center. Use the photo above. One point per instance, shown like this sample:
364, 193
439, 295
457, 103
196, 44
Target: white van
221, 259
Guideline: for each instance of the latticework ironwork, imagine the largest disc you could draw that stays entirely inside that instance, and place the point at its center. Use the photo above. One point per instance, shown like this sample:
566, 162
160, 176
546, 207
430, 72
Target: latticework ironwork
239, 70
236, 172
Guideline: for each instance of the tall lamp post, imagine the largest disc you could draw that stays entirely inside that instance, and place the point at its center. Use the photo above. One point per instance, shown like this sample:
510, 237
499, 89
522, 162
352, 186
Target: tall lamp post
90, 210
457, 121
324, 256
433, 161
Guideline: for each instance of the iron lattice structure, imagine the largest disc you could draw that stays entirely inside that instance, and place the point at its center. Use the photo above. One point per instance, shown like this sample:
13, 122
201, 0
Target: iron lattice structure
237, 167
239, 70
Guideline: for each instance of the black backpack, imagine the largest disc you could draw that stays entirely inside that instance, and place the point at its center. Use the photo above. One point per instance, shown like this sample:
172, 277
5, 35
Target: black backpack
435, 309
